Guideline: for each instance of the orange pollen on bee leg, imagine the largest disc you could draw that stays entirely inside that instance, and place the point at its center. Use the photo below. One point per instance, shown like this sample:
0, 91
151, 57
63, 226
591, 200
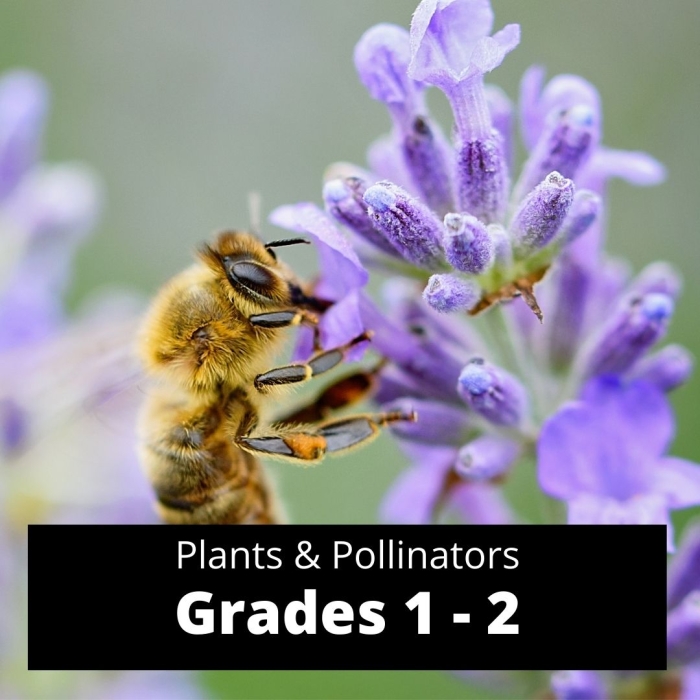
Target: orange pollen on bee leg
306, 446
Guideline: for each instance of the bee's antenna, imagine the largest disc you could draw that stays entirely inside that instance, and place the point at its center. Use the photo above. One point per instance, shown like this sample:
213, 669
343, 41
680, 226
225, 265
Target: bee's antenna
254, 212
286, 241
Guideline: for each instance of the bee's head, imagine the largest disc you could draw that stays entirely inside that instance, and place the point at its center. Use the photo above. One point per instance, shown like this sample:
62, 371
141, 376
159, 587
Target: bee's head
251, 267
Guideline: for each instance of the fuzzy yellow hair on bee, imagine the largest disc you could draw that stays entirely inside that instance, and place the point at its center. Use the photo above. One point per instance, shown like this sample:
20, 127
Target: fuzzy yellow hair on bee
208, 338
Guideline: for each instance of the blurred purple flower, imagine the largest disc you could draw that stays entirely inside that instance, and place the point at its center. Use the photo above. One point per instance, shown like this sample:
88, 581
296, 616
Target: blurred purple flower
604, 456
67, 443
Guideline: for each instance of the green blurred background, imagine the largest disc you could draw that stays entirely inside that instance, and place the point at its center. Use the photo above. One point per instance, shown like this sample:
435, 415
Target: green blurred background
184, 107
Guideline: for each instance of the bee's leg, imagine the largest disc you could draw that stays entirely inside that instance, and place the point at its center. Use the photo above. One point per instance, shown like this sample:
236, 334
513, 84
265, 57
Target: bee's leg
344, 392
345, 433
318, 364
284, 319
312, 444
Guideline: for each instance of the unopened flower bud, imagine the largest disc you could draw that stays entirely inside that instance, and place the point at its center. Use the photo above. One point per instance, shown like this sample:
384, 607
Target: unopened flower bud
631, 331
565, 144
493, 393
666, 369
542, 213
406, 222
344, 203
487, 457
426, 153
437, 422
683, 630
659, 277
447, 293
467, 243
585, 209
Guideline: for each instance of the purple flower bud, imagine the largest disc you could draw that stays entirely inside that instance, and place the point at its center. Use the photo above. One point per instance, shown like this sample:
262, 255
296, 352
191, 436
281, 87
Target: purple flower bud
437, 423
427, 156
658, 277
501, 111
468, 246
586, 208
482, 180
667, 369
406, 222
565, 145
578, 685
684, 570
381, 57
683, 630
631, 331
344, 203
447, 293
562, 93
493, 393
23, 105
541, 214
487, 457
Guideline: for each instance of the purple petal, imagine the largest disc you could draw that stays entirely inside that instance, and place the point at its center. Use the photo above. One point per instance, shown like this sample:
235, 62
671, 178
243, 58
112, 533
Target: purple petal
690, 683
641, 413
412, 498
635, 167
341, 324
341, 270
304, 346
679, 480
641, 510
489, 52
481, 504
607, 444
444, 34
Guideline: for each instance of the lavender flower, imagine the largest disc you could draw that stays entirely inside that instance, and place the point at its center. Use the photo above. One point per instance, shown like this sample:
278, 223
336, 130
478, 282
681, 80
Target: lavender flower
469, 259
604, 456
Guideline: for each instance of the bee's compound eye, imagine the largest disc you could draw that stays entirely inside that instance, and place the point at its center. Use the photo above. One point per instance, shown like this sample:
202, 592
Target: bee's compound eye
253, 277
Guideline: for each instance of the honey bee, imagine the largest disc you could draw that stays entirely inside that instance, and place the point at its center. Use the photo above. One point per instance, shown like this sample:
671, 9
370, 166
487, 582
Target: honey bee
209, 339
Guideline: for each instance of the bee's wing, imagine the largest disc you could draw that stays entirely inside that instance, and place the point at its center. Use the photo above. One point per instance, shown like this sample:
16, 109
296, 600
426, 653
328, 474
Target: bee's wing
77, 398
